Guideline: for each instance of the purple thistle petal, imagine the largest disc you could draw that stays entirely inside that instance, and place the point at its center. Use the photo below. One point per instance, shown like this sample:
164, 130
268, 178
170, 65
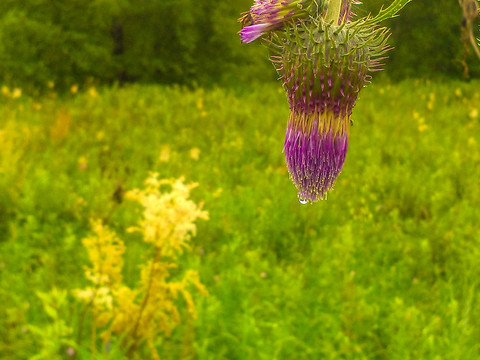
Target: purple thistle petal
315, 154
253, 32
268, 15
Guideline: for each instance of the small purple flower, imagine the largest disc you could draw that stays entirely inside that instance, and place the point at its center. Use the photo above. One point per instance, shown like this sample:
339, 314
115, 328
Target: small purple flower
268, 15
253, 32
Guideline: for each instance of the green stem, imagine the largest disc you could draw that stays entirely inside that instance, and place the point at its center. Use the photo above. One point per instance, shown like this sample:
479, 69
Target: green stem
333, 11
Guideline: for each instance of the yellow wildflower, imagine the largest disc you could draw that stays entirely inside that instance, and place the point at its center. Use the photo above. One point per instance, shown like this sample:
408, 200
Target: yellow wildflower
5, 91
170, 211
105, 252
200, 104
164, 153
16, 93
473, 113
195, 153
141, 314
422, 127
93, 92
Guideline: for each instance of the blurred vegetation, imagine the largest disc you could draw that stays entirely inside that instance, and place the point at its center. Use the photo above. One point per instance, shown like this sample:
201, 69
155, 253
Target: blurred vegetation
387, 268
185, 41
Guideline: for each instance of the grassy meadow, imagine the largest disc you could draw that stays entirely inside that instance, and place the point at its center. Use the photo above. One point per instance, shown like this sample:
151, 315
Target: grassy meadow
387, 268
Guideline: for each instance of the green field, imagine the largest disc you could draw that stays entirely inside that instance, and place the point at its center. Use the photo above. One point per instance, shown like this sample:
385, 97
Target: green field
387, 268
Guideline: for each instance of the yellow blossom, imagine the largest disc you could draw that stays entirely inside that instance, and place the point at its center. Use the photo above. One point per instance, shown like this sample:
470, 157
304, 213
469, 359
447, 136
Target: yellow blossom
195, 153
473, 113
167, 210
200, 104
422, 127
164, 153
140, 314
105, 251
93, 92
5, 91
16, 93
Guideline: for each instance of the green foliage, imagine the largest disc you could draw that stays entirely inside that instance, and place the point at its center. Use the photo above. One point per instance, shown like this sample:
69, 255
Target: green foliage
427, 41
58, 43
75, 42
54, 337
48, 42
386, 268
388, 12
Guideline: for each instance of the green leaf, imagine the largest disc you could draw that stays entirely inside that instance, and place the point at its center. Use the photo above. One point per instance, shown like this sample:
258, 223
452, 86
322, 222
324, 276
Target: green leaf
388, 13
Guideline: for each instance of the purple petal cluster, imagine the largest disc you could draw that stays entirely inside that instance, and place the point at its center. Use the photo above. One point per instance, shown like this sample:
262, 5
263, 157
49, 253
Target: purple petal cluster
268, 15
314, 159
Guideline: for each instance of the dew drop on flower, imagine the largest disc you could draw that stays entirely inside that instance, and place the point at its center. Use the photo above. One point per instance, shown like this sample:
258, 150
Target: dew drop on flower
302, 201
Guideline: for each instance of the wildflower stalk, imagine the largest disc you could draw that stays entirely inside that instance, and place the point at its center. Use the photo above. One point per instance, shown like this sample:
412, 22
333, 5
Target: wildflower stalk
144, 301
94, 337
333, 11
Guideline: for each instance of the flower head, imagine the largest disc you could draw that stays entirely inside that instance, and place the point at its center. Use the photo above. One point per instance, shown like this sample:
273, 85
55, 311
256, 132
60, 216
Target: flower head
323, 67
324, 59
269, 15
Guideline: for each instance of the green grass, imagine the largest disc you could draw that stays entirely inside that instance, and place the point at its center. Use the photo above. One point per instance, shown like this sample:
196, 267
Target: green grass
387, 268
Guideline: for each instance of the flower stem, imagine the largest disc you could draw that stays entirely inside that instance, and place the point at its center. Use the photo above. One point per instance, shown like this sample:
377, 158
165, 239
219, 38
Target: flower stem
333, 11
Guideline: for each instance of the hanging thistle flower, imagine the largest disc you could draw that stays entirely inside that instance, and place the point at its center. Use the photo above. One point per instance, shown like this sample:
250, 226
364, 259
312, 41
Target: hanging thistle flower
323, 68
324, 60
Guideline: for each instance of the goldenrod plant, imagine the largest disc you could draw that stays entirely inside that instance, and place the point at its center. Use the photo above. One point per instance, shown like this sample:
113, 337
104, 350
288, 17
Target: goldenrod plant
131, 317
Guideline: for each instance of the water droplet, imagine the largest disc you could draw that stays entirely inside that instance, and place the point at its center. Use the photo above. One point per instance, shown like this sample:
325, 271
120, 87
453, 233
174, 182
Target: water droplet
302, 201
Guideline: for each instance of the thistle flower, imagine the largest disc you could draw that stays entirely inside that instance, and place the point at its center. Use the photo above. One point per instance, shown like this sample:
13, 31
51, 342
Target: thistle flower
324, 60
268, 15
323, 68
